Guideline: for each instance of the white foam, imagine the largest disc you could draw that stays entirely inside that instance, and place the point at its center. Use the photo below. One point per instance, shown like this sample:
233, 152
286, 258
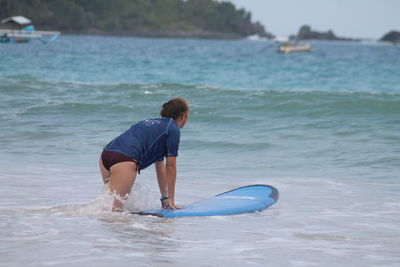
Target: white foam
141, 226
140, 198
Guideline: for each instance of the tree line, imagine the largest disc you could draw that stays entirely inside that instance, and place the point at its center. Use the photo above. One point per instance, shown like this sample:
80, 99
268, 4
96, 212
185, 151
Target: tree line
135, 16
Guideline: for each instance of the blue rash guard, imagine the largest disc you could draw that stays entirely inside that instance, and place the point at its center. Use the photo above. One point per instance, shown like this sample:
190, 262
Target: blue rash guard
148, 141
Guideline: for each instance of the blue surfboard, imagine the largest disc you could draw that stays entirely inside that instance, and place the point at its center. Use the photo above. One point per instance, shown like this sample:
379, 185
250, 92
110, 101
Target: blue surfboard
245, 199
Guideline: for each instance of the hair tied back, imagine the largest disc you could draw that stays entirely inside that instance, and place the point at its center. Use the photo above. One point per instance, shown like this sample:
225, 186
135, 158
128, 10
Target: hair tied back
174, 108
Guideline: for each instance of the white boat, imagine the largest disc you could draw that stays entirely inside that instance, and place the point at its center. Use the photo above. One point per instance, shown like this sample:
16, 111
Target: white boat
256, 37
21, 30
281, 39
290, 48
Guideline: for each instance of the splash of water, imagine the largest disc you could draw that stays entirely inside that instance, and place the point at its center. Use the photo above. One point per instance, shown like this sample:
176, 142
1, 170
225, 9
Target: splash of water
140, 198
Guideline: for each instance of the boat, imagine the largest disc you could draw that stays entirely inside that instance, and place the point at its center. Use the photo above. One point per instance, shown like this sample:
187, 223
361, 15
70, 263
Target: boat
19, 29
256, 37
287, 47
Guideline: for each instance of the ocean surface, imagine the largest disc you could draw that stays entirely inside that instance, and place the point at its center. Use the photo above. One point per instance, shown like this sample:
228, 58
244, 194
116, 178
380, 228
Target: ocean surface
322, 127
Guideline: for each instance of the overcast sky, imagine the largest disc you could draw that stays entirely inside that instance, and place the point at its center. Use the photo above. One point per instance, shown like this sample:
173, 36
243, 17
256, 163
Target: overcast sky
347, 18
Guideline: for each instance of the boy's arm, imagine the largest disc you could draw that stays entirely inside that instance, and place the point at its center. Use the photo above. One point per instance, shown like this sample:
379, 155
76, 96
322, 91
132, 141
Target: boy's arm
162, 183
170, 171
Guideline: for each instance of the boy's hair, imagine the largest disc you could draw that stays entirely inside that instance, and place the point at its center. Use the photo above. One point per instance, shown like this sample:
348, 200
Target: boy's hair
174, 108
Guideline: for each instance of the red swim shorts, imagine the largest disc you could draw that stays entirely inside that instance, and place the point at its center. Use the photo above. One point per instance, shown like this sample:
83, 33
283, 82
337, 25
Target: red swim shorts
111, 158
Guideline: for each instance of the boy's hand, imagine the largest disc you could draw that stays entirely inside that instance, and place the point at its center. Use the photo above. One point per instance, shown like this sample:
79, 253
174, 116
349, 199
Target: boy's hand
172, 205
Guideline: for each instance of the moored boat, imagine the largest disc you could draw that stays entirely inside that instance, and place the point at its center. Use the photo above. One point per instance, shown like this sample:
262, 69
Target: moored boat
290, 48
19, 29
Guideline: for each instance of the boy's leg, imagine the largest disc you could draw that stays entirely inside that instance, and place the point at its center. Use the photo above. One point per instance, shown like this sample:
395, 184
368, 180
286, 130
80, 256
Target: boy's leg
122, 177
104, 172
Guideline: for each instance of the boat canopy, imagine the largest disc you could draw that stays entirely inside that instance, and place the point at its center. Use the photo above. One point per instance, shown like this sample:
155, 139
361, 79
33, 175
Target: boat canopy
18, 20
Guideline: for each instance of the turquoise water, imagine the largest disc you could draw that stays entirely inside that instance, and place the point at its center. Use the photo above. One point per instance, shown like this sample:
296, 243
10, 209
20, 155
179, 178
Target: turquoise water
322, 127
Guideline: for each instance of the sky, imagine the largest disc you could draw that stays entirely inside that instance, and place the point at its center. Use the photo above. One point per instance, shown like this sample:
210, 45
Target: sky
347, 18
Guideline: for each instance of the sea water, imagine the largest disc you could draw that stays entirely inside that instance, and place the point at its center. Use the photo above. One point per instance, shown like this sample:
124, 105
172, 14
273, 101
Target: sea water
322, 127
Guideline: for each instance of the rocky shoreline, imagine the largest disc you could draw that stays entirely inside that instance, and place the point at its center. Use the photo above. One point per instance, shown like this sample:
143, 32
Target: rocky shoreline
160, 34
305, 33
182, 34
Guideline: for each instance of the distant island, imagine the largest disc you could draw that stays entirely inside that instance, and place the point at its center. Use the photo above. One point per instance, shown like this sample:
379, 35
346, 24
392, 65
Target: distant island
392, 36
305, 33
148, 18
